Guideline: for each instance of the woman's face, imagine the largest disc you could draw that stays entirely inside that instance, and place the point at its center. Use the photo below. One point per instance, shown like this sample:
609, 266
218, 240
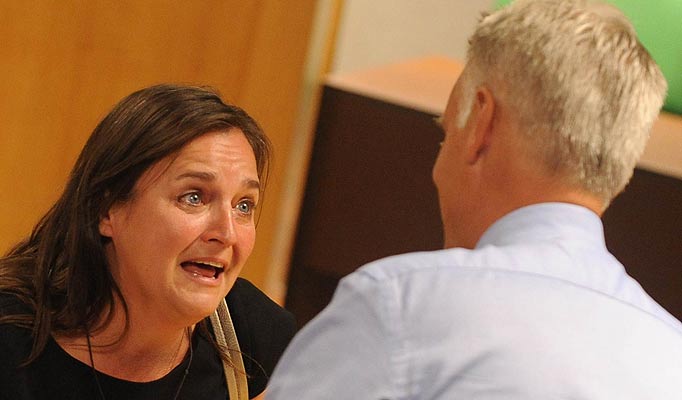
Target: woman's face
179, 243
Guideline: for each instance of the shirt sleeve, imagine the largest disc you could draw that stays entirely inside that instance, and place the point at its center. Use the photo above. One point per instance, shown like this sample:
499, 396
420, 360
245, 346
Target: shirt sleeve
263, 328
346, 351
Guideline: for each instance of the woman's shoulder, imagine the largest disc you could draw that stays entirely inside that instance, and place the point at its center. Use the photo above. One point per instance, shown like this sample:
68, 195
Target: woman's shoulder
10, 304
264, 329
246, 299
15, 342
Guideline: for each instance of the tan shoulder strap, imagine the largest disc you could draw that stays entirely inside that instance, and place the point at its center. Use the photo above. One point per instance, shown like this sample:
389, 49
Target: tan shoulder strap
226, 337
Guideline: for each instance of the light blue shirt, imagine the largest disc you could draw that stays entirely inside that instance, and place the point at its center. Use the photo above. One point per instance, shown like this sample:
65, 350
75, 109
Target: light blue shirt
539, 310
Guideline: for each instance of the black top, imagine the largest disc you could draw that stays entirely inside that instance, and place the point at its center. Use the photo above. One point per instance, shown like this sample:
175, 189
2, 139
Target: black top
263, 330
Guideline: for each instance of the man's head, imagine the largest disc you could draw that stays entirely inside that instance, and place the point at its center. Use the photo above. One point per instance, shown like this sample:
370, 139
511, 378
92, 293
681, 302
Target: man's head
572, 82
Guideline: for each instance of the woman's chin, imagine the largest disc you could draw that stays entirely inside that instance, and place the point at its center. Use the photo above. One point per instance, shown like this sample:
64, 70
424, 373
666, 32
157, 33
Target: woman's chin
198, 300
196, 307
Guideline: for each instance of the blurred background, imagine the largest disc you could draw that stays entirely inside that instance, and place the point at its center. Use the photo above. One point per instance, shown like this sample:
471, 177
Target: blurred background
64, 64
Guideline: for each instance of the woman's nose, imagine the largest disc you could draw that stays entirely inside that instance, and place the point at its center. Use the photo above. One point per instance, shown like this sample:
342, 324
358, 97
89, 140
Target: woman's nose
220, 226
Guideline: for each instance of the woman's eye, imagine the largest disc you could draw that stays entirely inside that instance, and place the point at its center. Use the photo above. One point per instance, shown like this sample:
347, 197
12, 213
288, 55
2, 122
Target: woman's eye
245, 207
192, 199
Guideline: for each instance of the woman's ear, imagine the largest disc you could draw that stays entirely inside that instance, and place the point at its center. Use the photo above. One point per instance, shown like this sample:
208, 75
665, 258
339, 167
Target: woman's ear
108, 218
105, 225
482, 115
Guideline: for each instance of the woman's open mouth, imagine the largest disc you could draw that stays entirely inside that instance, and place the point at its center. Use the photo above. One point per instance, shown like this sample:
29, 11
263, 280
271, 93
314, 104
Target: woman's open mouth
205, 269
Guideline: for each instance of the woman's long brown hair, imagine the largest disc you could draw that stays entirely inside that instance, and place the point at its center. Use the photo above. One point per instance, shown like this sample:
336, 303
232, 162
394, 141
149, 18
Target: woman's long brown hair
59, 274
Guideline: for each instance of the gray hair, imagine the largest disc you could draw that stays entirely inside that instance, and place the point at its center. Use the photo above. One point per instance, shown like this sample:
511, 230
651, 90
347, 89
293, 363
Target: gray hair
584, 89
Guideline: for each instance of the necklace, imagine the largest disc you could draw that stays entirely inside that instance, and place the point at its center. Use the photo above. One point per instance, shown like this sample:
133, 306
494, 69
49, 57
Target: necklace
182, 381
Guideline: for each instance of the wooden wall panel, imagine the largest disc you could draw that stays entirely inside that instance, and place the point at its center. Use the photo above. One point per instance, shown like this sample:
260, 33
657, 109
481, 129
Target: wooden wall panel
63, 65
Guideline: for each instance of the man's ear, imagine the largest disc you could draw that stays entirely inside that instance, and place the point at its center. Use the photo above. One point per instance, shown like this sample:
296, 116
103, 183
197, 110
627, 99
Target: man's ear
482, 115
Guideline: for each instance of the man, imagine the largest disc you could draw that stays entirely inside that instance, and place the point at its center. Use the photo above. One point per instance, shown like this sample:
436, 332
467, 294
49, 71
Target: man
542, 130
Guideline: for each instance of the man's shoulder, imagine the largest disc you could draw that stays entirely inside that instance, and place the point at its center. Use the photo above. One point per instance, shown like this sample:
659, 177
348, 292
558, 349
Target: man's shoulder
458, 260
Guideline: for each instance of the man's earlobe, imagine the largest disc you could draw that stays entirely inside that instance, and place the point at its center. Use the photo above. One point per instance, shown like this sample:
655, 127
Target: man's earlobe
483, 113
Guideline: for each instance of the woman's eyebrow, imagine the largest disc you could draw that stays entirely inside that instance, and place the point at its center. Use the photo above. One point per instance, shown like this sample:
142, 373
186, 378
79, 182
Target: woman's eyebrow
210, 176
201, 175
252, 184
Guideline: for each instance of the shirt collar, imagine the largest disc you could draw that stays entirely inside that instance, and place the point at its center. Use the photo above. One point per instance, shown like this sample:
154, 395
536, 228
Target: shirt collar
545, 221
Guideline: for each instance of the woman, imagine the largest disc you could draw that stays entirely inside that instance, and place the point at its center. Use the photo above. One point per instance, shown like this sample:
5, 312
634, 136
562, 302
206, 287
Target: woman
109, 296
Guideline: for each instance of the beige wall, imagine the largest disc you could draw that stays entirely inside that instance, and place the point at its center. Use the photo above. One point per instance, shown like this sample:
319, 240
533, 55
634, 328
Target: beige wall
379, 32
64, 64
